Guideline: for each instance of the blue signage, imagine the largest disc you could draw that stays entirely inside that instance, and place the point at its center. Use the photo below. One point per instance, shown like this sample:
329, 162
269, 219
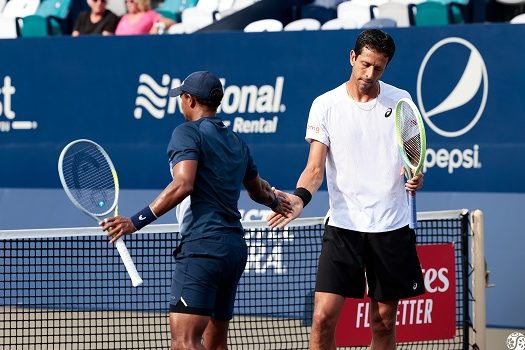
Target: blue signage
115, 91
466, 80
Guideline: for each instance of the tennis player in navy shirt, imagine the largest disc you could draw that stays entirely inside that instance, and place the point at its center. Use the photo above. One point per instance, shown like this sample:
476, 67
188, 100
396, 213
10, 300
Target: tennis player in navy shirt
209, 165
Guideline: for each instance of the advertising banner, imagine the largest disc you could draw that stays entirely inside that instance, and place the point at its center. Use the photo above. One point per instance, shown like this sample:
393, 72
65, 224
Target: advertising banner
115, 91
427, 317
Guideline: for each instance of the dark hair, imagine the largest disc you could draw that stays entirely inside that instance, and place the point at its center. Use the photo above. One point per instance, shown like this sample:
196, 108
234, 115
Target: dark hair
375, 40
214, 99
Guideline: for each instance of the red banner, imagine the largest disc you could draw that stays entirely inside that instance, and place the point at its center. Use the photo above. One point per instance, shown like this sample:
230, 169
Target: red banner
426, 317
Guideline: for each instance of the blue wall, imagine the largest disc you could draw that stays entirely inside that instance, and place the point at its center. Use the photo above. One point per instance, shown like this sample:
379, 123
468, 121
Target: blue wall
114, 90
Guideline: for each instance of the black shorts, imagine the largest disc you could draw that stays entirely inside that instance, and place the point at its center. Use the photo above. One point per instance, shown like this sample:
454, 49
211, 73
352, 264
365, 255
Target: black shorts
389, 258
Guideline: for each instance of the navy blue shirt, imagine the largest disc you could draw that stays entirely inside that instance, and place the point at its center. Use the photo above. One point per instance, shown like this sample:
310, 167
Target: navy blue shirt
224, 161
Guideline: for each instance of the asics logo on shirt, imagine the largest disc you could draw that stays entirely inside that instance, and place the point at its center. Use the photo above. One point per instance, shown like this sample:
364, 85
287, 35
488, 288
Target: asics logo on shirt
388, 112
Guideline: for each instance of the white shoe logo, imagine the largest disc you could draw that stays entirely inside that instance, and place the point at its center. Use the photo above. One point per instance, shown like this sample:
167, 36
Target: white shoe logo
142, 217
414, 287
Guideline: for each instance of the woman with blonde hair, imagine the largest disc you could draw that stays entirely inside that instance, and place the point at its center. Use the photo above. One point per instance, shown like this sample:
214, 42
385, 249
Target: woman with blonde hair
140, 19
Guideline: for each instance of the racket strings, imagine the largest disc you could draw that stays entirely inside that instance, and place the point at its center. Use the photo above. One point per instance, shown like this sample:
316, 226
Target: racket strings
410, 135
413, 150
89, 178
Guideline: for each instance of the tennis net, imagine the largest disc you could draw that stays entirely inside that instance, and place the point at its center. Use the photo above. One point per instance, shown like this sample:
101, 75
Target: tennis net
66, 289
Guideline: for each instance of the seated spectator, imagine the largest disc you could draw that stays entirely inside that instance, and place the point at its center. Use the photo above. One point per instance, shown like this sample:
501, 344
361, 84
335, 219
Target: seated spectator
141, 19
97, 21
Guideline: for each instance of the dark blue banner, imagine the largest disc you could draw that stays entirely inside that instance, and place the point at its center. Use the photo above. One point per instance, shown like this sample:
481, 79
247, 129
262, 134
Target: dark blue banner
115, 91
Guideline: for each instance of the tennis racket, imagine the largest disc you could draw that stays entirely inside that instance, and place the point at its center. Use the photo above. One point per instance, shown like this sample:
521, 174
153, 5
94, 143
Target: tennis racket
90, 181
411, 138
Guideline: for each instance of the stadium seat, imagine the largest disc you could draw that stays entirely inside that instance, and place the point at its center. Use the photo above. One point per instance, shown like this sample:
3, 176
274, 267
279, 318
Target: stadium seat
182, 28
518, 19
202, 14
409, 2
511, 2
458, 9
225, 5
339, 23
264, 25
13, 10
354, 11
20, 8
432, 13
380, 23
398, 11
171, 9
228, 7
303, 24
240, 4
370, 3
34, 25
55, 8
438, 13
514, 3
168, 14
49, 19
8, 28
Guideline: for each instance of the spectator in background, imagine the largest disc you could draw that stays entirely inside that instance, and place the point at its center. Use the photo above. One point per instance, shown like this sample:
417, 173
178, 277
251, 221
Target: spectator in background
97, 21
141, 19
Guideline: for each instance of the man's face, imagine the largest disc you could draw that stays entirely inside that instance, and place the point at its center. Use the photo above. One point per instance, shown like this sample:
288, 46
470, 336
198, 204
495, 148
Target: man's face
98, 6
185, 105
368, 68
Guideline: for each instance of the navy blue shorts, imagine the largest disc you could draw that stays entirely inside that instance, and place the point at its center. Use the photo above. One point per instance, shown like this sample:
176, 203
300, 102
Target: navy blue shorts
206, 275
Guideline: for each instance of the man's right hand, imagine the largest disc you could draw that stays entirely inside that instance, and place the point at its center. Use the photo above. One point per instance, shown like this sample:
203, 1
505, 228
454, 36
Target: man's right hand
279, 220
284, 206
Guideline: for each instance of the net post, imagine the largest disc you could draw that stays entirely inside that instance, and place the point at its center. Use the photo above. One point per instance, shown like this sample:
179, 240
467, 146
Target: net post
478, 279
465, 278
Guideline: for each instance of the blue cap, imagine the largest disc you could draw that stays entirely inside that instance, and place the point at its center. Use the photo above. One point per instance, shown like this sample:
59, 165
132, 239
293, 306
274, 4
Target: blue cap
200, 84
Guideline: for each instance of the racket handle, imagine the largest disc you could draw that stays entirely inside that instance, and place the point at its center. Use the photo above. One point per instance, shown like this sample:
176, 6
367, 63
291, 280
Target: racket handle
128, 263
412, 209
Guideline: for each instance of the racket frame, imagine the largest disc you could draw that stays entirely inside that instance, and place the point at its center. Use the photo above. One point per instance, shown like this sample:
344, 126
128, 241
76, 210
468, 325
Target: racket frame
136, 280
410, 169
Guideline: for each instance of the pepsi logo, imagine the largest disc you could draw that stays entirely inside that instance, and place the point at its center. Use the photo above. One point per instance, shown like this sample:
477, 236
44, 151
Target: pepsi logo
452, 103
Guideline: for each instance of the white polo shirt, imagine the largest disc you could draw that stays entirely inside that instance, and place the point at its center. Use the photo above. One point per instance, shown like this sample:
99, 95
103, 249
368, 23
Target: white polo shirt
363, 165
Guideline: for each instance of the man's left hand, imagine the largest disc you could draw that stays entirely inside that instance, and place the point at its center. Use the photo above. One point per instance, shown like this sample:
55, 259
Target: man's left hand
415, 183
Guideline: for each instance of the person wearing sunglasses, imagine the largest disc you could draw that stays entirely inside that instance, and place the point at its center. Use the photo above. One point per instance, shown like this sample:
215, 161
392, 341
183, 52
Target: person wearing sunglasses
98, 21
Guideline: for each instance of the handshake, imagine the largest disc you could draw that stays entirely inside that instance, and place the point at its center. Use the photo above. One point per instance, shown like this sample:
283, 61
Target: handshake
286, 206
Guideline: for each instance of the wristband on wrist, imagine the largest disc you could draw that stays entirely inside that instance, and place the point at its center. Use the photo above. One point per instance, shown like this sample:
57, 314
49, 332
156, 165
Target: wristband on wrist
274, 203
144, 217
304, 194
